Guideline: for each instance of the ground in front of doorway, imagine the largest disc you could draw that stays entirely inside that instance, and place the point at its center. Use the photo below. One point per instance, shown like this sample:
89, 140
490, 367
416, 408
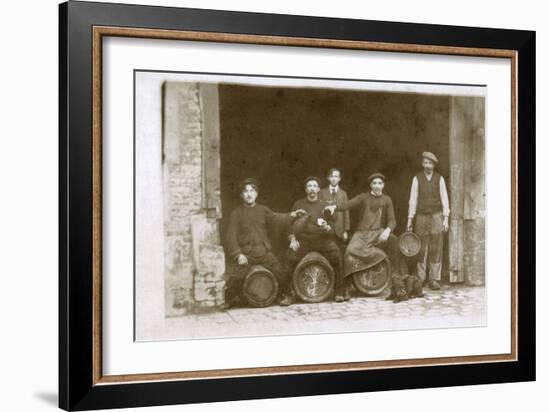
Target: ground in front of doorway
450, 307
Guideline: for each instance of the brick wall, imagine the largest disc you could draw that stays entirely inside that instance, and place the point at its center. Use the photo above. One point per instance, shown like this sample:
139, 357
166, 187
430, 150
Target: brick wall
194, 260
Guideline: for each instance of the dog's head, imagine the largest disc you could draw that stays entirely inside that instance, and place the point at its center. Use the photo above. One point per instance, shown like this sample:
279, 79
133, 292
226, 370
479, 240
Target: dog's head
400, 295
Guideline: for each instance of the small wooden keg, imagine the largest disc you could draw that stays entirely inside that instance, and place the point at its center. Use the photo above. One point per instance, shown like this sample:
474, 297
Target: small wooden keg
374, 280
409, 244
313, 278
260, 287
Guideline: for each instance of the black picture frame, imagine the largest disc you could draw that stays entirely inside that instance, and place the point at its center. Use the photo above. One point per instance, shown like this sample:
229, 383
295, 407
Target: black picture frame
77, 389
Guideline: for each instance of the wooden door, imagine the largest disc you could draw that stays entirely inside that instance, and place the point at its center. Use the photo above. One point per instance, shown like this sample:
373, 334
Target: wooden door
467, 189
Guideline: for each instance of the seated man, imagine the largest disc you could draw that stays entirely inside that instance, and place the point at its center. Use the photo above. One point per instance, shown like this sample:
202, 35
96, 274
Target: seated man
312, 233
374, 232
247, 242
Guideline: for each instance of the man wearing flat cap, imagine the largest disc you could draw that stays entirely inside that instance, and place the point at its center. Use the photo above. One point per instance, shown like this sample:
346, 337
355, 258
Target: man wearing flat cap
429, 208
247, 242
374, 232
314, 233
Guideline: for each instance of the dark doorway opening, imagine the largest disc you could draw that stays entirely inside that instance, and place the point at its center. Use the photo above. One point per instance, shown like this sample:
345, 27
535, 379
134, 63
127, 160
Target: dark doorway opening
280, 135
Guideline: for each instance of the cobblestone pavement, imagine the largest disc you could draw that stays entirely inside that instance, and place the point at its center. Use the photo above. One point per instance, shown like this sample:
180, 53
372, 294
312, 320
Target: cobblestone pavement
451, 306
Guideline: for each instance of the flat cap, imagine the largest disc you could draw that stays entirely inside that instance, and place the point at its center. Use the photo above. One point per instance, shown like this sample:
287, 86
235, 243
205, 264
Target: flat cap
309, 178
375, 175
430, 156
248, 181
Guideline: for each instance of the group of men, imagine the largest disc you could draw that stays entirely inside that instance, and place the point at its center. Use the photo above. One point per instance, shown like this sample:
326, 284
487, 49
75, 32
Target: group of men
320, 222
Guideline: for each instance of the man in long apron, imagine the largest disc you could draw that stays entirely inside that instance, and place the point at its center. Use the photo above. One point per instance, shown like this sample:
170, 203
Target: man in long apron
373, 239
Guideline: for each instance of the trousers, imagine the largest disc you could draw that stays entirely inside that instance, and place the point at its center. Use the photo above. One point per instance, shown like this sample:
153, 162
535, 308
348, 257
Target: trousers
235, 274
429, 227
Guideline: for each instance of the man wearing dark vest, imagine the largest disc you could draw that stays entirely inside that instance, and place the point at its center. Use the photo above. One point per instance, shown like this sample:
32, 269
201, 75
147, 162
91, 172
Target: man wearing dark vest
429, 207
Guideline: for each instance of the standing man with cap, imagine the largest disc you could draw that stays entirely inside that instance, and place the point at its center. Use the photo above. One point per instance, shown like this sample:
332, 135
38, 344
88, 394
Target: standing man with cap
313, 233
332, 194
247, 242
429, 204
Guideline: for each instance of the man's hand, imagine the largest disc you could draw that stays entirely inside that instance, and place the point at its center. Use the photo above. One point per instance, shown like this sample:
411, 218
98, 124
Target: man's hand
330, 208
323, 224
242, 260
445, 223
345, 236
298, 213
384, 235
294, 244
410, 224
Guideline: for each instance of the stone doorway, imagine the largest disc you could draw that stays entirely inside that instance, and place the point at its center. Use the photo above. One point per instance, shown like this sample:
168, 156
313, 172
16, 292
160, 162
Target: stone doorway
216, 134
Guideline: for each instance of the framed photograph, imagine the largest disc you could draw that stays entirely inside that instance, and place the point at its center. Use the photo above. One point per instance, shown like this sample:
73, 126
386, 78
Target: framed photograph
256, 205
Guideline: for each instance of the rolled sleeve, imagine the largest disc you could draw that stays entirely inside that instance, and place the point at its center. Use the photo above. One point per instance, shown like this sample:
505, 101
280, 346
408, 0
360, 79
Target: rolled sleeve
444, 198
413, 199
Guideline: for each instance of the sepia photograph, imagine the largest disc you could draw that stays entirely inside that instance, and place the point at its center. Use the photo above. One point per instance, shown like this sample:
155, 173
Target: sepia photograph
295, 206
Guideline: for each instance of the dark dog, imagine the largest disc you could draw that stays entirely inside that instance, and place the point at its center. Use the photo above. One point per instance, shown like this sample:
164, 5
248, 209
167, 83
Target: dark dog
414, 286
405, 287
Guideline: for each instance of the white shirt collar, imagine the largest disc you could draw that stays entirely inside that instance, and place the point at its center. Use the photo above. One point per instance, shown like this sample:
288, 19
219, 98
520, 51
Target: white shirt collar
333, 189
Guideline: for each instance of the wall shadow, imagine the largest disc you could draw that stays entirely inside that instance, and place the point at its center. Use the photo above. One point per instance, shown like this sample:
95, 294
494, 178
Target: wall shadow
280, 135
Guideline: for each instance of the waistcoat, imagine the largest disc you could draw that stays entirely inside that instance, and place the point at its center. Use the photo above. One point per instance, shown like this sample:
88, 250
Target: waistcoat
429, 198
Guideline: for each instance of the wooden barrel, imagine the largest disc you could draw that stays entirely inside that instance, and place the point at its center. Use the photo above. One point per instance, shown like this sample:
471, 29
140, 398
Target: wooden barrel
409, 244
374, 280
313, 278
260, 287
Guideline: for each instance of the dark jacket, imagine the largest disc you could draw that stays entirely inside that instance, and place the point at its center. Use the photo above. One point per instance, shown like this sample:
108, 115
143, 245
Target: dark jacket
247, 232
305, 228
377, 211
341, 220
